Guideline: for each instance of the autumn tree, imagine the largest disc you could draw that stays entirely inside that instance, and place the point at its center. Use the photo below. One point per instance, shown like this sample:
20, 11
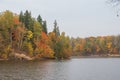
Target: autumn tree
6, 29
60, 43
19, 36
37, 31
43, 49
65, 47
117, 43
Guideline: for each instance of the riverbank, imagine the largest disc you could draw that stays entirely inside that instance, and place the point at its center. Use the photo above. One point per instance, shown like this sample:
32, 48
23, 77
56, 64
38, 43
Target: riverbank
42, 59
97, 56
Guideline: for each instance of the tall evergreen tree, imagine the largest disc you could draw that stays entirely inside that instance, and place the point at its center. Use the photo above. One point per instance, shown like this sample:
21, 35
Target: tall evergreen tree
56, 29
39, 19
44, 27
21, 17
28, 21
43, 23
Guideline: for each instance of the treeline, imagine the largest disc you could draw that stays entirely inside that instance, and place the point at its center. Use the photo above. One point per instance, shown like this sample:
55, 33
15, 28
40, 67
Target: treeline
101, 46
21, 33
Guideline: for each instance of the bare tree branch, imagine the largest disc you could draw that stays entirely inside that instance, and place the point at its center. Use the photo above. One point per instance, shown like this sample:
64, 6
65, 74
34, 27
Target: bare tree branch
116, 4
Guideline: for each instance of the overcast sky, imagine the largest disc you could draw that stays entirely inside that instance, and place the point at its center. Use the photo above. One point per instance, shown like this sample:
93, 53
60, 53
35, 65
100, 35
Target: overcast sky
81, 18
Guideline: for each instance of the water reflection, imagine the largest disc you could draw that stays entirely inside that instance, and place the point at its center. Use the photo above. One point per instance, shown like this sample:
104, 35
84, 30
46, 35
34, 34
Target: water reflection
74, 69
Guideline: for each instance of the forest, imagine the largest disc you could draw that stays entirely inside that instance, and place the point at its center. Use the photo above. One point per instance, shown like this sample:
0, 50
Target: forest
100, 46
23, 34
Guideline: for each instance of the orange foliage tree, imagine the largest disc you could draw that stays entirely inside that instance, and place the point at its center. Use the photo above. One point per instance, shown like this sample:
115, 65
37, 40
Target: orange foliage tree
42, 47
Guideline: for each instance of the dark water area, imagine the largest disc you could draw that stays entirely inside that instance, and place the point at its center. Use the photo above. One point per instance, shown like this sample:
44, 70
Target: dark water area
74, 69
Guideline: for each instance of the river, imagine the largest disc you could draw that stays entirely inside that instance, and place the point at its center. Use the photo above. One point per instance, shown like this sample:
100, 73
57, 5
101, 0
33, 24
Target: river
74, 69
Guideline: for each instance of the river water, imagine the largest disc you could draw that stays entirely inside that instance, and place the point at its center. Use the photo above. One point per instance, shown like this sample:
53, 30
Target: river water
74, 69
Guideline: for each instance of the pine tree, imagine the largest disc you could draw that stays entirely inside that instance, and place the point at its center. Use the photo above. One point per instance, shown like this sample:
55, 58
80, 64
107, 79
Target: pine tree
56, 29
43, 23
44, 26
21, 17
39, 19
28, 21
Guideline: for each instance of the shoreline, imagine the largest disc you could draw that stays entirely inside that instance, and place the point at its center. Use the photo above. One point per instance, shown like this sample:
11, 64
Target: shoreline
95, 57
42, 59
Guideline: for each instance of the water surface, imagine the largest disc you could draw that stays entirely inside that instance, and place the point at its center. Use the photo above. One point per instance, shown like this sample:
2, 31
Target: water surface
74, 69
